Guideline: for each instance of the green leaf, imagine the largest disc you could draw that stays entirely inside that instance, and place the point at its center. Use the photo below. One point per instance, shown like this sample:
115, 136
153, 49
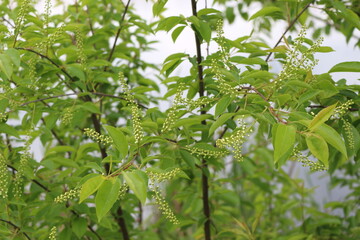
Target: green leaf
346, 67
90, 107
177, 31
4, 128
191, 120
265, 12
223, 103
76, 70
318, 147
119, 140
325, 49
106, 196
348, 14
90, 186
137, 181
205, 31
322, 117
14, 56
283, 140
330, 135
158, 7
230, 15
79, 226
6, 65
220, 121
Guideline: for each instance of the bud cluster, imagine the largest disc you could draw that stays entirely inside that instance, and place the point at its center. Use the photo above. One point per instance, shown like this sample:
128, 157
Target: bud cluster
123, 190
135, 111
18, 181
306, 162
52, 235
235, 140
164, 206
47, 14
206, 153
71, 194
80, 48
4, 177
94, 135
171, 115
297, 61
67, 116
162, 176
21, 15
341, 110
349, 134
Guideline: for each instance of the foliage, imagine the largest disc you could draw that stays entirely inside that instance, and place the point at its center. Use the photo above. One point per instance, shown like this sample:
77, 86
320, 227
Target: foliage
215, 164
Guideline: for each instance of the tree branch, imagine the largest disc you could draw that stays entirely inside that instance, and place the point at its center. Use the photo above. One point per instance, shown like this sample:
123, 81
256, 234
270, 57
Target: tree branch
204, 178
16, 227
292, 23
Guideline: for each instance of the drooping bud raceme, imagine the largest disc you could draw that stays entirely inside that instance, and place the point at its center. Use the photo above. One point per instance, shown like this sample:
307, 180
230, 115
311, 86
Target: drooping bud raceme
4, 177
94, 135
155, 179
235, 140
135, 111
339, 113
24, 6
341, 110
306, 162
68, 195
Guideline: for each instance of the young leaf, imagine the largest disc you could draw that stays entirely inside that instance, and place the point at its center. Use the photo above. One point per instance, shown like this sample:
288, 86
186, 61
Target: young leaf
106, 196
79, 226
220, 121
6, 65
222, 105
264, 12
90, 186
205, 31
177, 31
318, 147
119, 140
283, 140
330, 135
346, 67
322, 117
137, 181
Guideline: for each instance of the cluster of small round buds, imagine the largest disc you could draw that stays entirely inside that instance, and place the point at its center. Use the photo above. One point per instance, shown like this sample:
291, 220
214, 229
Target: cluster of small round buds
341, 110
80, 47
50, 40
4, 177
138, 131
123, 190
47, 13
306, 162
68, 195
296, 61
224, 52
200, 102
67, 116
171, 115
18, 181
349, 134
235, 140
97, 136
164, 207
160, 177
205, 152
128, 96
52, 235
21, 14
3, 117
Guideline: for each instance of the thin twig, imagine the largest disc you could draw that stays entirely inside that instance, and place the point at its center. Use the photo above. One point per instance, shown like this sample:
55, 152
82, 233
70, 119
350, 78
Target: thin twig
118, 32
16, 227
288, 28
